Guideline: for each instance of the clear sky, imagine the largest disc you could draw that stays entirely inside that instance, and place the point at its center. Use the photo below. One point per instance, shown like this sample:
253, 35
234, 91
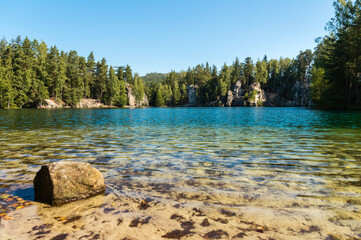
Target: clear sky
164, 35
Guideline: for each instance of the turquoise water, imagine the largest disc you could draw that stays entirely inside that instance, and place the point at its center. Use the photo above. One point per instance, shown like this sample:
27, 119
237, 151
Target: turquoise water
298, 152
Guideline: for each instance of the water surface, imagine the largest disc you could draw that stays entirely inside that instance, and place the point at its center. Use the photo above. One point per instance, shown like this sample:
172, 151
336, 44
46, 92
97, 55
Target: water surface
261, 153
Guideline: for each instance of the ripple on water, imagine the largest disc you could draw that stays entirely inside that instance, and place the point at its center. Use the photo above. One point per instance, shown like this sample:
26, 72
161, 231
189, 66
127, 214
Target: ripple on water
290, 151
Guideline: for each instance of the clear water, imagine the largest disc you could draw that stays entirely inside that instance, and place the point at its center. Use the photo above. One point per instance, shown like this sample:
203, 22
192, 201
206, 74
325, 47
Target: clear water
262, 152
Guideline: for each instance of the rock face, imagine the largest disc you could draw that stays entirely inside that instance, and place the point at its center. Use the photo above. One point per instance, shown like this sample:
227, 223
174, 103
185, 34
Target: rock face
63, 182
192, 95
51, 103
235, 96
260, 96
296, 96
131, 98
90, 103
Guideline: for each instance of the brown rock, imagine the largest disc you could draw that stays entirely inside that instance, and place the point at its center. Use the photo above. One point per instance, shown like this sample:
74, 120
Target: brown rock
63, 182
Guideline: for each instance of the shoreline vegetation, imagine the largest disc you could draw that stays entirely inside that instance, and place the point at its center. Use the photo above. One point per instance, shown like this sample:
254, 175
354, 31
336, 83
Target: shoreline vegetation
328, 77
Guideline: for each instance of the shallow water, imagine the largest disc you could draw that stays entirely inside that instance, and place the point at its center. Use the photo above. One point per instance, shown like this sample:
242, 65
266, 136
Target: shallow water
295, 145
263, 157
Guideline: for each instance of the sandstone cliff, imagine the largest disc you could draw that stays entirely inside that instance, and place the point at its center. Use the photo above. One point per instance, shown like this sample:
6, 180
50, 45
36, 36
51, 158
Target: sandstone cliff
296, 95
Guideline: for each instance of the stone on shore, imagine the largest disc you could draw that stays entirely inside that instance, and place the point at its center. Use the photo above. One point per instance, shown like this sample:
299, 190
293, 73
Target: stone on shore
63, 182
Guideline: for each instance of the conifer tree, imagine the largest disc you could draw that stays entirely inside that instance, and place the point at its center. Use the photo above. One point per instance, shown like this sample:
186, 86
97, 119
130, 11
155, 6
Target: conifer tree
128, 75
123, 98
159, 100
236, 72
138, 88
91, 75
248, 71
112, 88
261, 72
101, 78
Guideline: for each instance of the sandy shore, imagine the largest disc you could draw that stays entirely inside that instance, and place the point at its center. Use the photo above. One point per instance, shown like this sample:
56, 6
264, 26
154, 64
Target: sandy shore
177, 214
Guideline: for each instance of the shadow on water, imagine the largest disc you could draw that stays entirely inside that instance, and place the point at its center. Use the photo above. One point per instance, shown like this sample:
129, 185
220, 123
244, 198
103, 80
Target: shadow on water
25, 193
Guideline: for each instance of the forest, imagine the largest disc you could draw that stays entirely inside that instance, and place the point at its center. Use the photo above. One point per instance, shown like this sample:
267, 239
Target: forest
30, 72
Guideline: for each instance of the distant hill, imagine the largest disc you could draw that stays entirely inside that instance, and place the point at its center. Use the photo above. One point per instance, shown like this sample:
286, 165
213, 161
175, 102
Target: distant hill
154, 78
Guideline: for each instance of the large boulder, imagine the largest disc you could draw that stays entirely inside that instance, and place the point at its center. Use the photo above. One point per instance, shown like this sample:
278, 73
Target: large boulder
63, 182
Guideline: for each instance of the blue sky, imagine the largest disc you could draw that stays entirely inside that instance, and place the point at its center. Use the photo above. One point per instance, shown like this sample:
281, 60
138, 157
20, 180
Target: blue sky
164, 35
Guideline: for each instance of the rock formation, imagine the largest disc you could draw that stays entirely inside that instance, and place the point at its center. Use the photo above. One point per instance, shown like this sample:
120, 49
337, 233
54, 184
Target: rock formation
260, 96
296, 95
132, 101
63, 182
90, 103
51, 103
235, 97
192, 95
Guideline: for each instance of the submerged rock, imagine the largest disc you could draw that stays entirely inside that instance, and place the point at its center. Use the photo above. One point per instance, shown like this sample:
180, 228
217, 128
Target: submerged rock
63, 182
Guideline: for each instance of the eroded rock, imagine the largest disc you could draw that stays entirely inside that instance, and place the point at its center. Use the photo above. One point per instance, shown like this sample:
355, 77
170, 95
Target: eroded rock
63, 182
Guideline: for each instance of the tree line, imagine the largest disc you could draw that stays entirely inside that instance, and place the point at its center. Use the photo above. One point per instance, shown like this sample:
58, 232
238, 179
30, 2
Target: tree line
31, 72
336, 73
333, 70
274, 75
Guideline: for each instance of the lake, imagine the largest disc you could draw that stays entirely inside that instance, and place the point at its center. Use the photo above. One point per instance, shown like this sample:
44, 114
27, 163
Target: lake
235, 157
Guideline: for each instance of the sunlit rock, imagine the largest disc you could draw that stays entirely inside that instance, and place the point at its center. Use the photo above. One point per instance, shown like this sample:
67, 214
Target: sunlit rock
63, 182
259, 97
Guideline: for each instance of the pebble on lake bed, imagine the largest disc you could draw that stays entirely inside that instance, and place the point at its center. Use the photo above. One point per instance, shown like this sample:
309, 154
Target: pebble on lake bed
62, 182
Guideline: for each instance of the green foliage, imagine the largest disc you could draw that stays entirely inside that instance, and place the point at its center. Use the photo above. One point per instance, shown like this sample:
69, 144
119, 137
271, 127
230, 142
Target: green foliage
128, 75
339, 54
261, 72
250, 96
31, 72
154, 78
248, 71
236, 71
101, 78
159, 100
319, 87
138, 88
112, 93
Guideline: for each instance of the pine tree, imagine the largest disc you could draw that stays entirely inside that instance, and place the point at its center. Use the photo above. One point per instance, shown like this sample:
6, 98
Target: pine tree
73, 90
138, 88
112, 88
236, 72
101, 78
91, 75
62, 77
52, 70
248, 71
6, 74
224, 81
159, 100
261, 72
123, 98
128, 76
